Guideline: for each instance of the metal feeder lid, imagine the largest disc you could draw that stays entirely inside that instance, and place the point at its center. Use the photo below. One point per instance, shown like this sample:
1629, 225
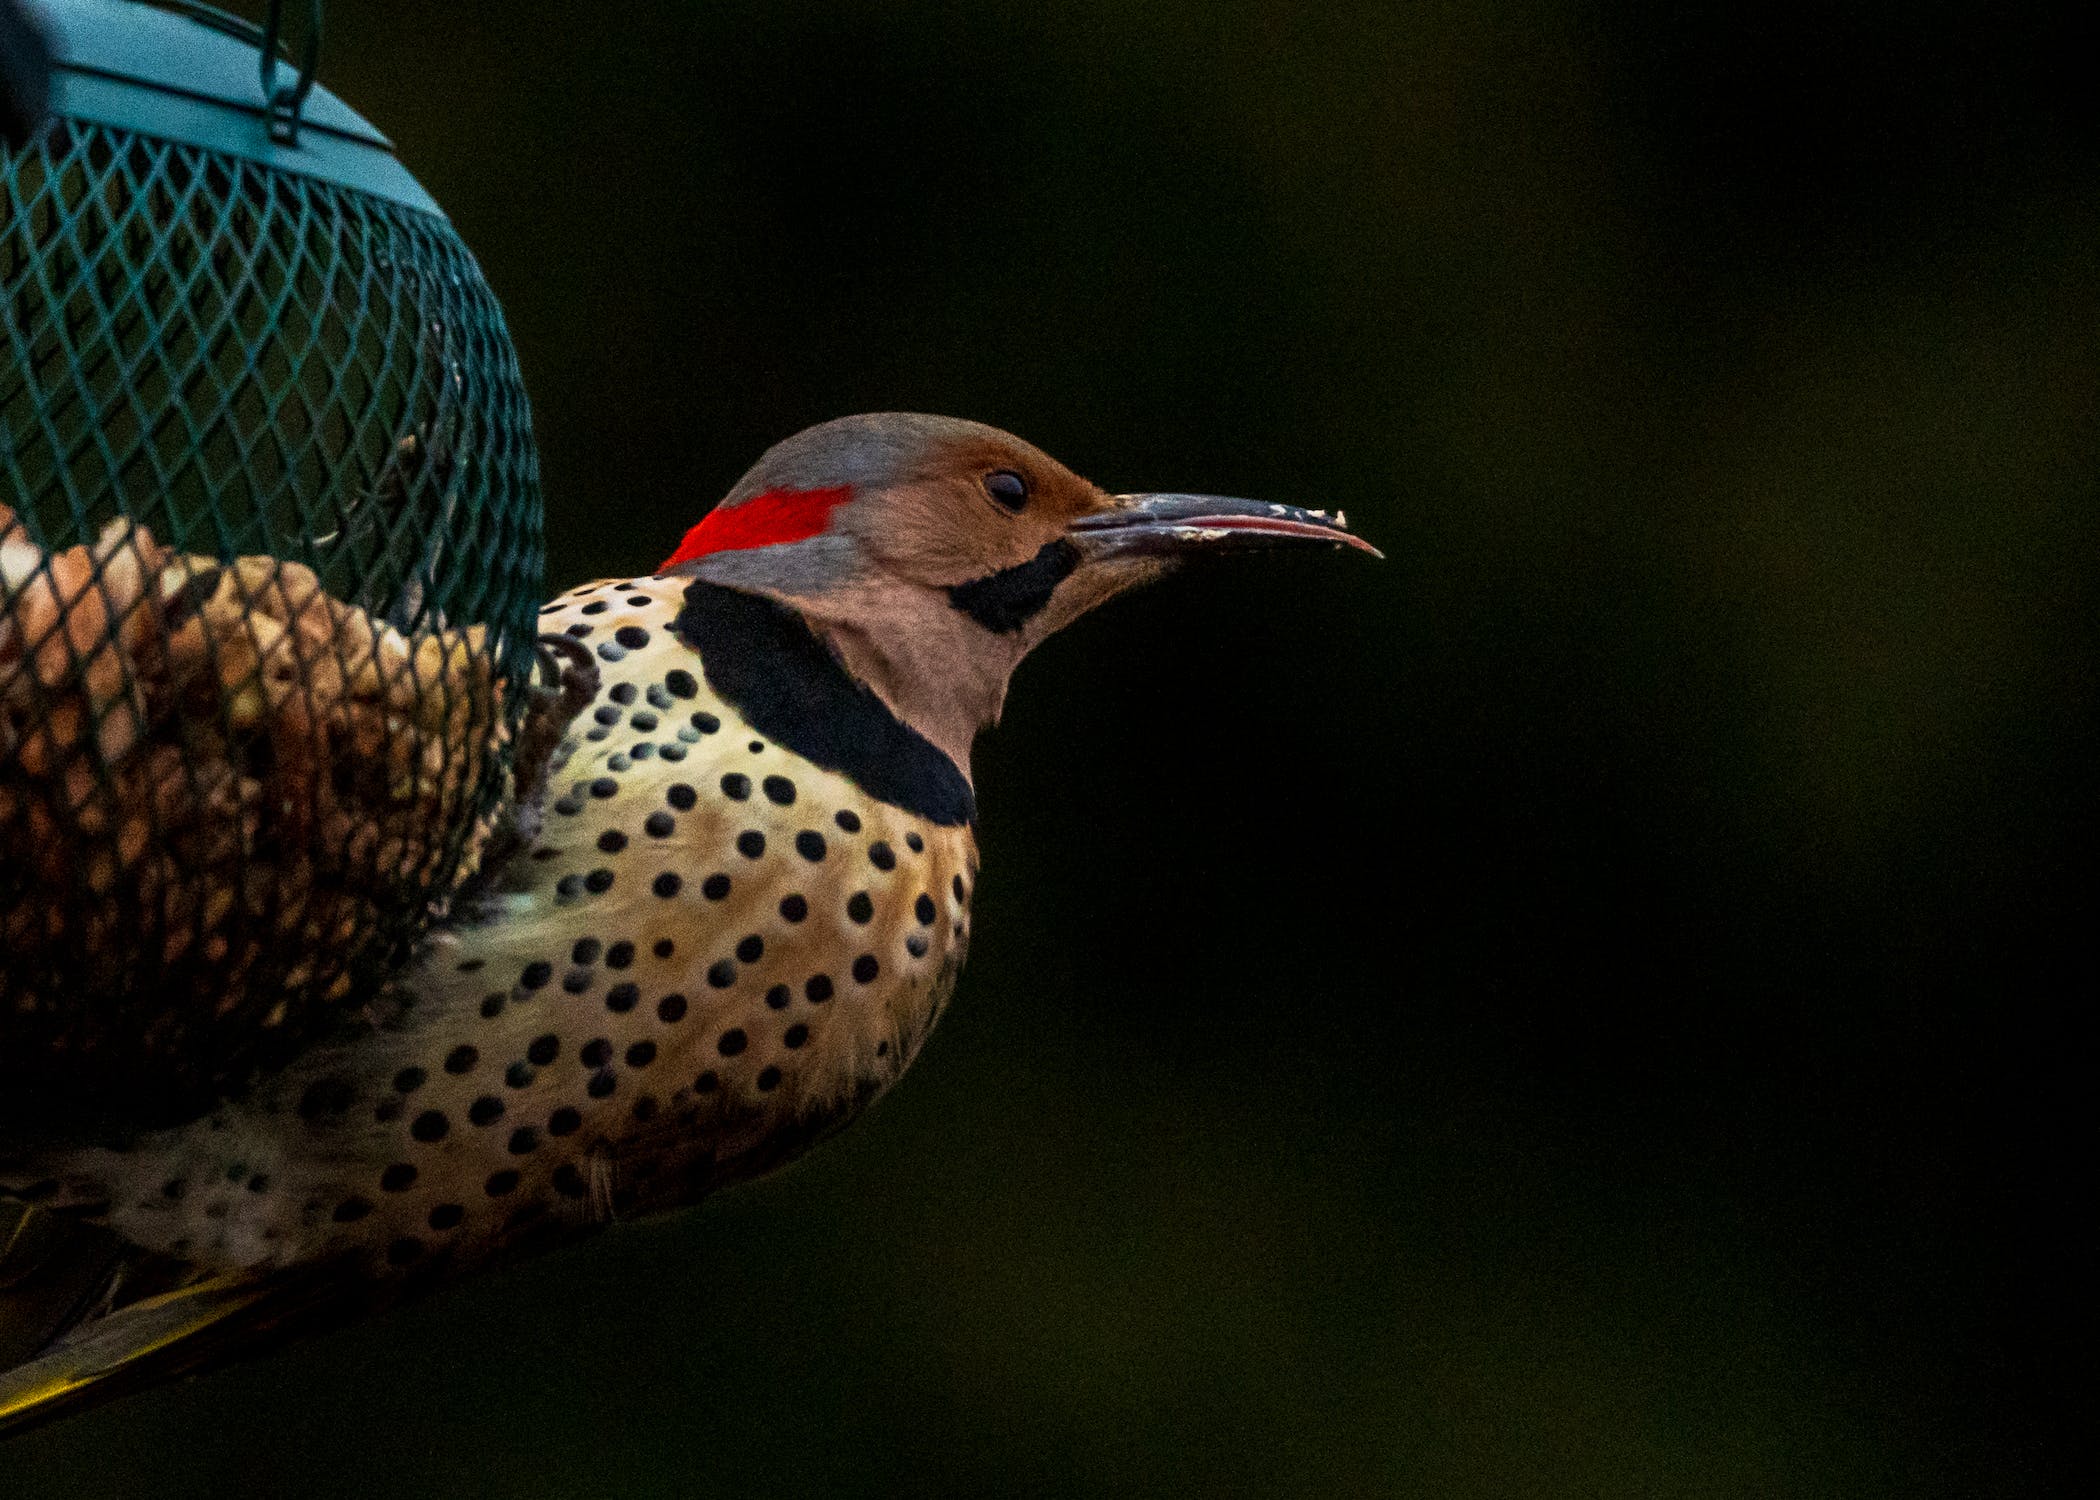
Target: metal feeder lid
194, 74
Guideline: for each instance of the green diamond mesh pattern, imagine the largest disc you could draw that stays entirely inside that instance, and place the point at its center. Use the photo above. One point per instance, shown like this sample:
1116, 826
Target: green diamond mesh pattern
269, 566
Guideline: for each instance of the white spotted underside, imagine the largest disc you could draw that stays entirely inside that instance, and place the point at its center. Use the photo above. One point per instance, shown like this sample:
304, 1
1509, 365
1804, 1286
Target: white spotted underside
715, 952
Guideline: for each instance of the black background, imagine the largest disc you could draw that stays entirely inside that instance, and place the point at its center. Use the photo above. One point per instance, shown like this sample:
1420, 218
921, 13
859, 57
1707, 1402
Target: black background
1581, 1008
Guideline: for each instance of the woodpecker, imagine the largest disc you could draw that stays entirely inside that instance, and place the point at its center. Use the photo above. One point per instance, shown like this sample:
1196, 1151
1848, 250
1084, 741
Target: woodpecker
731, 922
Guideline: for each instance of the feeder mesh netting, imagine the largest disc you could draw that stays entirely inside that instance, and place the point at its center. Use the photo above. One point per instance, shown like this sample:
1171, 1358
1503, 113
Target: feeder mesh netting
269, 565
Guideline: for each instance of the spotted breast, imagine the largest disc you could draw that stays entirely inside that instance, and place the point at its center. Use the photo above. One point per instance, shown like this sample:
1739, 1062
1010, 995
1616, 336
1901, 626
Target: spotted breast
720, 946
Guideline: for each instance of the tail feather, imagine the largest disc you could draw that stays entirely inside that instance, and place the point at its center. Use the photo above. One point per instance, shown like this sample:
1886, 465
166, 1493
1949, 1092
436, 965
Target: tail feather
84, 1319
53, 1271
142, 1344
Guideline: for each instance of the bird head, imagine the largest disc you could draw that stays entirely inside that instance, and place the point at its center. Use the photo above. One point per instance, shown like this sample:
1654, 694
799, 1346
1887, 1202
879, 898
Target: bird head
932, 554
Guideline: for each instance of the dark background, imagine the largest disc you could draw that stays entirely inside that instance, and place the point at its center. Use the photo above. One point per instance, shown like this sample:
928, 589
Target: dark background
1583, 1008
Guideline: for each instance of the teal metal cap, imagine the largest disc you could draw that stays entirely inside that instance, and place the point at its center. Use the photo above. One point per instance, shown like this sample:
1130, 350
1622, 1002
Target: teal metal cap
193, 74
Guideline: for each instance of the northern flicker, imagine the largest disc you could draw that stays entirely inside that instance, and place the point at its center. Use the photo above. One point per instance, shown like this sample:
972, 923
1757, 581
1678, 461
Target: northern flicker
735, 916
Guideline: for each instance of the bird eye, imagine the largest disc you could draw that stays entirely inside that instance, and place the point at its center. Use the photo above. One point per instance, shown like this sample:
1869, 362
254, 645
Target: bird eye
1007, 487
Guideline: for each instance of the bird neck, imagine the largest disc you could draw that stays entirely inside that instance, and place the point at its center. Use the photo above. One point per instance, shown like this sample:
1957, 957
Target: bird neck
818, 688
935, 669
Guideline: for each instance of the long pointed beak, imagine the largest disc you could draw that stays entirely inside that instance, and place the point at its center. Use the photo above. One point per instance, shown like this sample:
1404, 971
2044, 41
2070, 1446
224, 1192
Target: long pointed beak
1186, 525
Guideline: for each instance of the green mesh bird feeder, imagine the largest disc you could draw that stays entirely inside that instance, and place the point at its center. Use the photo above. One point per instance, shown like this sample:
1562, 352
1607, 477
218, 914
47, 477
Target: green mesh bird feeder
269, 563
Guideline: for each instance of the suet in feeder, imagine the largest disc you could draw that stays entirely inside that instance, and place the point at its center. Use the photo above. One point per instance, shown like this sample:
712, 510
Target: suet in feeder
269, 562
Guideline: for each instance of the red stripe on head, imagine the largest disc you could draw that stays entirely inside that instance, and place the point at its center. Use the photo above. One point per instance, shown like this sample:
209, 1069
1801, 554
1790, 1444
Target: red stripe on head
765, 520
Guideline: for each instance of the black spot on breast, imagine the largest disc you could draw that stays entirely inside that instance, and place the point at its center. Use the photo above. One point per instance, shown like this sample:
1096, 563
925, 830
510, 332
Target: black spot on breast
431, 1125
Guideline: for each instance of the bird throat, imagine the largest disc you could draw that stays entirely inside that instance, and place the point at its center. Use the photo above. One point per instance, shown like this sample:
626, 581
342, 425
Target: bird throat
761, 657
